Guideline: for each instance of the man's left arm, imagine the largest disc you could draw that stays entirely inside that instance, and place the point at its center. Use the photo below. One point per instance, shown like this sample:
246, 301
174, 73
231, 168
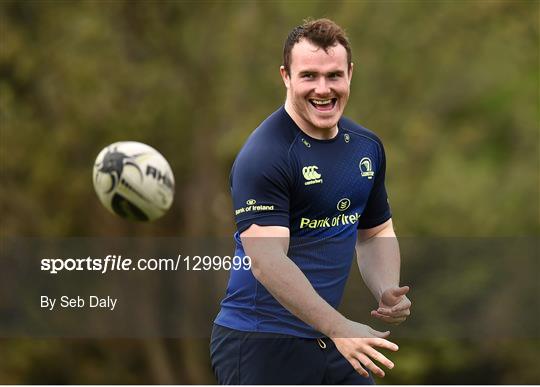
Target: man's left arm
378, 256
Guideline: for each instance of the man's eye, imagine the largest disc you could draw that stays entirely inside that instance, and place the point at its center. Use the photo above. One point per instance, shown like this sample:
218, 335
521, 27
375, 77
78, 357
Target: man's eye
308, 76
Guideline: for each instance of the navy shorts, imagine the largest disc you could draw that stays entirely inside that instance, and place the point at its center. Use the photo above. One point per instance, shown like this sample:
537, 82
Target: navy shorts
268, 358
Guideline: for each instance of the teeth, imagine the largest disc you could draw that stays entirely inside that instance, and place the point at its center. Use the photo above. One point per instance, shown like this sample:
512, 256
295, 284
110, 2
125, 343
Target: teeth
321, 101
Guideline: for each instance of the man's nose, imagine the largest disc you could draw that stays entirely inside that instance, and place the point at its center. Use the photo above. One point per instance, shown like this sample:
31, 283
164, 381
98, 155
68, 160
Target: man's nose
322, 86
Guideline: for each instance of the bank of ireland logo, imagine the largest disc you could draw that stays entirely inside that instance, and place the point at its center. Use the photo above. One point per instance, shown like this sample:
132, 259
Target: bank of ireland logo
311, 175
251, 202
343, 204
366, 168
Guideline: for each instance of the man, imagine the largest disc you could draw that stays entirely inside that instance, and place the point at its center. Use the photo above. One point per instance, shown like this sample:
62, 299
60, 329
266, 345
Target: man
307, 187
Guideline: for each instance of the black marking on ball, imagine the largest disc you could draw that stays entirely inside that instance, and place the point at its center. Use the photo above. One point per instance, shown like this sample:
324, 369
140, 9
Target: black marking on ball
128, 186
124, 208
113, 164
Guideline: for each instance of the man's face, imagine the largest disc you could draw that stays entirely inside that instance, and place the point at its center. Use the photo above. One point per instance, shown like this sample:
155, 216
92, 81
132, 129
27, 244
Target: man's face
318, 85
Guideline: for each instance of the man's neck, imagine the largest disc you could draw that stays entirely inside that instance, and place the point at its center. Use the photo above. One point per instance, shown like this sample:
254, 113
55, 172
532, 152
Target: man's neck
310, 130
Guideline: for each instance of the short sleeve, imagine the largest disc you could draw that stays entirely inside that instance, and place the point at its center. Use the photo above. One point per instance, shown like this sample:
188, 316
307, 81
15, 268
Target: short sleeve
260, 186
377, 210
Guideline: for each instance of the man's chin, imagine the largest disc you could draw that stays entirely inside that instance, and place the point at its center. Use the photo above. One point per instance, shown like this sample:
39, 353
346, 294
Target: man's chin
324, 123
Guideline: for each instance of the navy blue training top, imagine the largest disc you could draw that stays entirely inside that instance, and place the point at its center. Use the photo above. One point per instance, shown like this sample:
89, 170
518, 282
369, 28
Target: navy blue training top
323, 191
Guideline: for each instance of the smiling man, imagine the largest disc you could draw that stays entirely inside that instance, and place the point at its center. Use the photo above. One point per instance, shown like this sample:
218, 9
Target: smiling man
318, 88
308, 187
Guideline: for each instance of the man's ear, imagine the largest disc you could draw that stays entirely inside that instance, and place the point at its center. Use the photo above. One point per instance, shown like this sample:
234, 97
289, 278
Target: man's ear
351, 66
285, 76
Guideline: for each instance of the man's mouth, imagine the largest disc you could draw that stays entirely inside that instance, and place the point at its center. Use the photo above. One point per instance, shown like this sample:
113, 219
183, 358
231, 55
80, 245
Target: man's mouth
323, 104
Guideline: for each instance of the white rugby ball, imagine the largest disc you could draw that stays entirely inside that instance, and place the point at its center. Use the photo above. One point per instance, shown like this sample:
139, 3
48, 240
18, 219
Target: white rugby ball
133, 180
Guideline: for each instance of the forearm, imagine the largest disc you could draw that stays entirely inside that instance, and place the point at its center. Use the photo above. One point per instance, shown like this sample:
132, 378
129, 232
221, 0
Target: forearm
288, 284
379, 262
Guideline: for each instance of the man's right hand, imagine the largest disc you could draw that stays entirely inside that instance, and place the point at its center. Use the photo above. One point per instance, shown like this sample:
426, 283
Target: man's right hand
267, 246
357, 342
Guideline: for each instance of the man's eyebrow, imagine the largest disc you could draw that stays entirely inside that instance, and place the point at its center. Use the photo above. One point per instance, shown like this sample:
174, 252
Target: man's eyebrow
337, 72
307, 72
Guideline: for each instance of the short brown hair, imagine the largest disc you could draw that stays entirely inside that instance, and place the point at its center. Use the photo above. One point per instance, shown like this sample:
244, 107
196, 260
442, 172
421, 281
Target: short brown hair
323, 33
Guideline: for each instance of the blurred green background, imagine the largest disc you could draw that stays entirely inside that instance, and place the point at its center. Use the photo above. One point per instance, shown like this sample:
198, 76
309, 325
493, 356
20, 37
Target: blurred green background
451, 87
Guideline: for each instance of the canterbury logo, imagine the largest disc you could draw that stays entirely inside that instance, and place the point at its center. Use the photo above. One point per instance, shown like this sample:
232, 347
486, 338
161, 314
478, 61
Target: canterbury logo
310, 173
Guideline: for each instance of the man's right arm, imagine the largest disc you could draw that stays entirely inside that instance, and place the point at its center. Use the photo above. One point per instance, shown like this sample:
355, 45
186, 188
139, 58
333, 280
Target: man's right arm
267, 246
